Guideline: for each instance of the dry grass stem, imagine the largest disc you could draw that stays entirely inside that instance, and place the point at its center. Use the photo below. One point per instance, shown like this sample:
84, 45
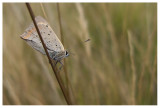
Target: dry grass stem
50, 61
133, 84
44, 13
84, 26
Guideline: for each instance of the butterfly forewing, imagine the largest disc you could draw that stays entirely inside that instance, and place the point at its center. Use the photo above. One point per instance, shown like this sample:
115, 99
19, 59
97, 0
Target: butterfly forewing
50, 39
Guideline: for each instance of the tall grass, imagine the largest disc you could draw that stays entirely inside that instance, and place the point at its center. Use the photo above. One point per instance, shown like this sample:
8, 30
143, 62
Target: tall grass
101, 71
133, 84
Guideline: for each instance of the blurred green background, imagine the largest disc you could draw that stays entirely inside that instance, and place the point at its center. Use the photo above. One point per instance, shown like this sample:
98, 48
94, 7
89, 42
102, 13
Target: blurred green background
117, 67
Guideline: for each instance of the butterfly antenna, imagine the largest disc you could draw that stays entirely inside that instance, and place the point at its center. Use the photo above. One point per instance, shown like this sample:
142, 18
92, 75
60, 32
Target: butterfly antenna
70, 52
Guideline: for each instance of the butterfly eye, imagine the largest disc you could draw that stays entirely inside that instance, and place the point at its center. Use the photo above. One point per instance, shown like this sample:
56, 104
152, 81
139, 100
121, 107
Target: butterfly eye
67, 53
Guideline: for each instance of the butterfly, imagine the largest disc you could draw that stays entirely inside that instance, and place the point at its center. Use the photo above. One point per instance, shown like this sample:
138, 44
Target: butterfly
54, 46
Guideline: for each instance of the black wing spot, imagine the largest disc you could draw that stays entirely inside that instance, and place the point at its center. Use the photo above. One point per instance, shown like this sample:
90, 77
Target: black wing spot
46, 25
56, 45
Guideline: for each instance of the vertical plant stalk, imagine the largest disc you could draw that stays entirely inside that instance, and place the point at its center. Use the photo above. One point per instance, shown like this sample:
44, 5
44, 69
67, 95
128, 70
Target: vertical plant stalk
111, 31
133, 88
84, 26
50, 61
68, 84
62, 39
43, 11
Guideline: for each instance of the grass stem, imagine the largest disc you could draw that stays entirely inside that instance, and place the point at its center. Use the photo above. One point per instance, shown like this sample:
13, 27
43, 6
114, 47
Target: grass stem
50, 61
132, 68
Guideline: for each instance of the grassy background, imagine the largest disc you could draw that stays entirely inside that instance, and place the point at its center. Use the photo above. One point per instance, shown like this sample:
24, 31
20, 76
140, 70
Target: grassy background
118, 66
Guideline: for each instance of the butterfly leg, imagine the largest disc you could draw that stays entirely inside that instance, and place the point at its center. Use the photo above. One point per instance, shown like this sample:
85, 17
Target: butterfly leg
56, 63
61, 65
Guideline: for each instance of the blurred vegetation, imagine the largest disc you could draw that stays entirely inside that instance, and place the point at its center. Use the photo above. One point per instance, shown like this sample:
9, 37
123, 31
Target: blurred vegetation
118, 66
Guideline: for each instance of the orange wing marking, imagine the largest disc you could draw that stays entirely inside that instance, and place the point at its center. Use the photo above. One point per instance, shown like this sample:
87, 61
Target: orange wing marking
30, 32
